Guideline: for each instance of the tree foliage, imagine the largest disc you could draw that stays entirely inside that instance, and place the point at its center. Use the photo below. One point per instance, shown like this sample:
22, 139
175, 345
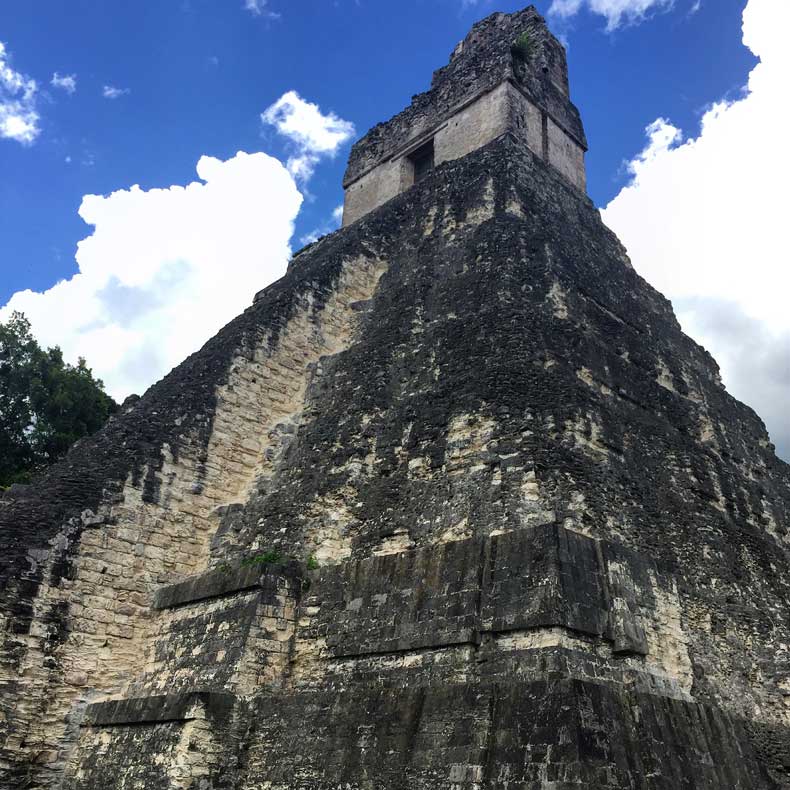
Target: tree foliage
46, 404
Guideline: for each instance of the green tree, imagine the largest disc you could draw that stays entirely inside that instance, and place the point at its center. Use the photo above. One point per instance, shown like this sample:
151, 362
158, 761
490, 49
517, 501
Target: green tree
46, 404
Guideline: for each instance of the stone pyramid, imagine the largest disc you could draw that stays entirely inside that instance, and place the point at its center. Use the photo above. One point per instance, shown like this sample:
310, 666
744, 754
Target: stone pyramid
453, 505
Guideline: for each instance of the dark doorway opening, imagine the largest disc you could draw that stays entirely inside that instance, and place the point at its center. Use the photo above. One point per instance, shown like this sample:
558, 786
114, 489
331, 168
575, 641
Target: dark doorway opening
422, 161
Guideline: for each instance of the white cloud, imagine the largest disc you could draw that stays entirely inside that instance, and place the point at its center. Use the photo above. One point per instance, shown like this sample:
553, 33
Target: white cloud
66, 82
617, 12
19, 119
259, 8
705, 222
112, 92
165, 269
312, 133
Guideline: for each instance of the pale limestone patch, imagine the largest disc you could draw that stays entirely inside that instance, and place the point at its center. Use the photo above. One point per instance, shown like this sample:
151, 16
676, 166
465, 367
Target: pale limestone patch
530, 488
667, 641
541, 638
587, 435
530, 506
330, 524
458, 660
195, 753
586, 375
558, 298
484, 209
396, 543
719, 502
418, 468
459, 531
429, 223
467, 436
309, 658
769, 521
707, 431
577, 505
665, 377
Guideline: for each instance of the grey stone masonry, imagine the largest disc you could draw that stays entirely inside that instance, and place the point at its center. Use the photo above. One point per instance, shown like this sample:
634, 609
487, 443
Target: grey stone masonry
508, 75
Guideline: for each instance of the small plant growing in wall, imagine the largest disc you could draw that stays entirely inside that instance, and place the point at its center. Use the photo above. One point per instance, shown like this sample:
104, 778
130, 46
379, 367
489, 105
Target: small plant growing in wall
272, 557
312, 563
524, 46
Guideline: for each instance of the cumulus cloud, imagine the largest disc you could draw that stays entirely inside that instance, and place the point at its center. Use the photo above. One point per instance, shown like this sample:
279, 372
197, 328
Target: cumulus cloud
704, 221
312, 133
113, 92
165, 269
66, 82
616, 12
19, 118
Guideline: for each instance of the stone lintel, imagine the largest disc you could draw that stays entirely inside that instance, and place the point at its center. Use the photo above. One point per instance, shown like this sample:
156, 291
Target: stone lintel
162, 708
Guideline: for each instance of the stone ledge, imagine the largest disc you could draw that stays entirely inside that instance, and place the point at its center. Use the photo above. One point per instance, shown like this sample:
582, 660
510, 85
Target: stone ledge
218, 583
166, 707
212, 584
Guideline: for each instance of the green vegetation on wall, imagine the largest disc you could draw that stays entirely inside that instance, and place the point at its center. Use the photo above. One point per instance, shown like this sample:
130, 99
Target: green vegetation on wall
524, 45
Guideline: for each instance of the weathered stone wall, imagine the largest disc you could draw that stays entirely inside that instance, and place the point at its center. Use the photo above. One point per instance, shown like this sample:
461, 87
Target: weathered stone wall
552, 548
534, 589
563, 153
530, 376
560, 734
170, 742
225, 629
88, 626
486, 117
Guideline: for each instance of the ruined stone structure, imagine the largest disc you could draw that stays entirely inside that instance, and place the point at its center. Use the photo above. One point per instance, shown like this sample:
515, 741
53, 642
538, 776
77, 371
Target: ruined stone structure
506, 77
454, 504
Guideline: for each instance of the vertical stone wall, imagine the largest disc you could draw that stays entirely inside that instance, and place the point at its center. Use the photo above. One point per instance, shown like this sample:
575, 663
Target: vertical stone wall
487, 116
173, 742
565, 154
471, 127
520, 598
228, 629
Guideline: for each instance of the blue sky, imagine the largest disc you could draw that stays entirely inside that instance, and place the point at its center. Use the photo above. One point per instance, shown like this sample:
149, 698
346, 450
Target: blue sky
158, 84
200, 72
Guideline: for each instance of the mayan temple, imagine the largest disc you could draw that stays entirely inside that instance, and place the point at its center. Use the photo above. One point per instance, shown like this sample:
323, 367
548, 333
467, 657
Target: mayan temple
453, 505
